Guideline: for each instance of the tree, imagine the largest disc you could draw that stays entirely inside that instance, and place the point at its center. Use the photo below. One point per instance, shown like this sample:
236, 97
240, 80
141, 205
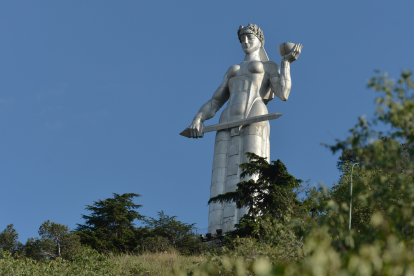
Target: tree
271, 198
167, 232
347, 155
56, 241
9, 242
383, 182
272, 193
364, 178
350, 155
110, 226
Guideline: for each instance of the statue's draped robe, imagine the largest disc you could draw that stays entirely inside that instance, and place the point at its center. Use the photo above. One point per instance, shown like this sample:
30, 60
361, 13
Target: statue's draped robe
229, 153
231, 145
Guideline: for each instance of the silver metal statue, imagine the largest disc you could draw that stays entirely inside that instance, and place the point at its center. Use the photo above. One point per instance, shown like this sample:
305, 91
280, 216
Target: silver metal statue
247, 88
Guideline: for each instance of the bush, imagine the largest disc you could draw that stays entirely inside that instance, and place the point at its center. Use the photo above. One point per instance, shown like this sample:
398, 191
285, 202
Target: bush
87, 262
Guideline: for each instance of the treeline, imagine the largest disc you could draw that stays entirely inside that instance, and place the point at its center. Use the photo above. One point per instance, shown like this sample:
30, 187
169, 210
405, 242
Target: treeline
109, 228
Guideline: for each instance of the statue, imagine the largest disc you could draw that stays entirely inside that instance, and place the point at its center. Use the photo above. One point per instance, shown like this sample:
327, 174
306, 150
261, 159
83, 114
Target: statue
247, 88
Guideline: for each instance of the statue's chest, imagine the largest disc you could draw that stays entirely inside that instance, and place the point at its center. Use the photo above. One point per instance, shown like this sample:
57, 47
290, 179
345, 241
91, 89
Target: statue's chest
241, 77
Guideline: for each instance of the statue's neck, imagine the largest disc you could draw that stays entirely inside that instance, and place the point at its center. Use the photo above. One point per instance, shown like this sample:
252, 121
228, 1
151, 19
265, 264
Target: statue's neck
253, 56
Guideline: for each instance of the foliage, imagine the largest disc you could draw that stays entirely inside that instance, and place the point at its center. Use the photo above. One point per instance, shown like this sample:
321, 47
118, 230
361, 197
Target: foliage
87, 262
157, 264
90, 262
154, 244
167, 233
384, 183
271, 192
56, 241
271, 238
271, 196
347, 155
9, 242
110, 226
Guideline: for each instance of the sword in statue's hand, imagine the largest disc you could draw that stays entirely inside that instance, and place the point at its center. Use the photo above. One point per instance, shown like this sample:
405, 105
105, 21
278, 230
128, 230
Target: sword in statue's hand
228, 125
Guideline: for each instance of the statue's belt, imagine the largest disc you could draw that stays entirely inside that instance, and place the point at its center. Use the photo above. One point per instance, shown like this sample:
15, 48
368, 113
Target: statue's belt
251, 120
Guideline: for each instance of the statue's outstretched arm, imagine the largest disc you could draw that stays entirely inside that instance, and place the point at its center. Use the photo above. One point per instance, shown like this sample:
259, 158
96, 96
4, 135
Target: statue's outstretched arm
209, 109
281, 83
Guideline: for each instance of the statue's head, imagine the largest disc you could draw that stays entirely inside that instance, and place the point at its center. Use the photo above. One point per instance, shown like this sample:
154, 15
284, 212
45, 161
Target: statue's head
252, 39
251, 29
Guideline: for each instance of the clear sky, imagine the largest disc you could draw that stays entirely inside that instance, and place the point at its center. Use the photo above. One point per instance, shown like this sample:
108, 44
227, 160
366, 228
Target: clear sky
94, 94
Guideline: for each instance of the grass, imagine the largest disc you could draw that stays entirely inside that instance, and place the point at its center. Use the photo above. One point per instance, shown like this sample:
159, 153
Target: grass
89, 262
155, 263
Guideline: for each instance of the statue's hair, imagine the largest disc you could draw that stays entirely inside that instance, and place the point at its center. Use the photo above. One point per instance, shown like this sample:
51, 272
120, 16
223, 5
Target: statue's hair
251, 29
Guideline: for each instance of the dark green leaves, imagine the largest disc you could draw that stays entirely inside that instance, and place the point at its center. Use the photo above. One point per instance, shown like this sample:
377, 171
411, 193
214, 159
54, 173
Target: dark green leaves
110, 226
271, 190
167, 232
56, 241
9, 242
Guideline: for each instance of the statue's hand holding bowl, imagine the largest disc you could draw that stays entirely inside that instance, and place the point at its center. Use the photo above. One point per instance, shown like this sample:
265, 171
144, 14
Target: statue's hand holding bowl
290, 51
196, 129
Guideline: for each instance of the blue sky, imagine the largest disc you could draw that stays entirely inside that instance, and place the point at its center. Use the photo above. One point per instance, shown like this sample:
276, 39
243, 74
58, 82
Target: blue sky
93, 95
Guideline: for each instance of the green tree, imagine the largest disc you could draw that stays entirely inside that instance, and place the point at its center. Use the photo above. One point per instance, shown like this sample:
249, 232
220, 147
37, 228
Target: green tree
56, 241
271, 197
272, 193
110, 226
347, 155
384, 183
167, 232
9, 242
364, 183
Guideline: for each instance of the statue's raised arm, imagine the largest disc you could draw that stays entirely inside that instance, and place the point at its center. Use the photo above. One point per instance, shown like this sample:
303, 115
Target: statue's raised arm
281, 83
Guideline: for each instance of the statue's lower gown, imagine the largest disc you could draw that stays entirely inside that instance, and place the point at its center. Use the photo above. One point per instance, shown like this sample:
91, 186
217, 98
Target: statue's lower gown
229, 153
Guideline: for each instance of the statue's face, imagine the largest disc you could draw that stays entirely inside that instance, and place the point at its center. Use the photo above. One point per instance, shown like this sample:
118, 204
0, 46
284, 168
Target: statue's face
250, 43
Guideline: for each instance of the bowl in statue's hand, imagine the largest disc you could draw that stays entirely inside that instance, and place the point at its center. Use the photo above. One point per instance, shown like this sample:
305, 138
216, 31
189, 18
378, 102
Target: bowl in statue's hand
285, 48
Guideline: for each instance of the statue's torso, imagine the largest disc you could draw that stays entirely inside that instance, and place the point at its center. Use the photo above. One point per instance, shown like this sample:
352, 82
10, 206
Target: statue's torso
248, 83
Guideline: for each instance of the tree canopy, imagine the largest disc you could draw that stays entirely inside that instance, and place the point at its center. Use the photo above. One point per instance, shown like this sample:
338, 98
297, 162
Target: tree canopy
9, 242
168, 232
56, 241
110, 226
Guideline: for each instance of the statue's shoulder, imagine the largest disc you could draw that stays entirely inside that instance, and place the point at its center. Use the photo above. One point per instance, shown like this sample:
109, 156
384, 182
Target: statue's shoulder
234, 67
233, 71
271, 66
